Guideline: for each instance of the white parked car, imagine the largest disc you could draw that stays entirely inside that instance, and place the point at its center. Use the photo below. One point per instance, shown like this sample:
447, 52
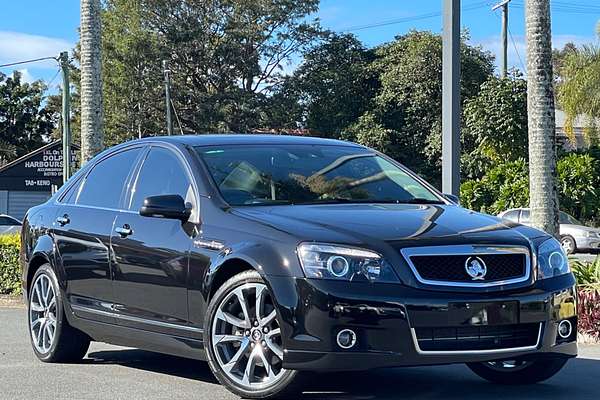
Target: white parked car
9, 225
574, 236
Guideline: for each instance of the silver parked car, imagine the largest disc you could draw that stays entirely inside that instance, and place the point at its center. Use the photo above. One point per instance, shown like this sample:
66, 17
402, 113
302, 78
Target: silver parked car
9, 225
574, 236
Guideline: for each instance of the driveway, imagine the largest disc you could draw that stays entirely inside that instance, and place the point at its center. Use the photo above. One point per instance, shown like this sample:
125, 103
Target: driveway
111, 372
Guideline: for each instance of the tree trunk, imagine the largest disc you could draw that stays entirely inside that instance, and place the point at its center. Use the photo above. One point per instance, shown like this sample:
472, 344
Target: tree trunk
540, 106
91, 80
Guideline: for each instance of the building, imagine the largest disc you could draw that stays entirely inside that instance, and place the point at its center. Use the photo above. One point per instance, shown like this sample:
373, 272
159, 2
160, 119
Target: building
578, 129
28, 181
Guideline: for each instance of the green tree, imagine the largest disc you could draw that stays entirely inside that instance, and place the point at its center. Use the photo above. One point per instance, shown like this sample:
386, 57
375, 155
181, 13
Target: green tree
228, 61
133, 76
25, 121
409, 100
495, 125
333, 86
577, 91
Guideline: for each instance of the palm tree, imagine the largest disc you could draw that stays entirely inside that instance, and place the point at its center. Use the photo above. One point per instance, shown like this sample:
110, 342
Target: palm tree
579, 90
543, 199
91, 80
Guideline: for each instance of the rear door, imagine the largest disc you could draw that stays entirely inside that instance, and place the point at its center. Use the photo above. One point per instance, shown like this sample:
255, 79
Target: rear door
82, 231
151, 257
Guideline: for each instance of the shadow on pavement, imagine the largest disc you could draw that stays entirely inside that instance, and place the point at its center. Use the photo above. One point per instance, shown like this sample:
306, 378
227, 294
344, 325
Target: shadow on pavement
154, 362
580, 379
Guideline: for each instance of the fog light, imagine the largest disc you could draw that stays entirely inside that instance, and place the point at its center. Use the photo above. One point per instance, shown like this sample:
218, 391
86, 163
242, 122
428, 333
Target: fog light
565, 329
346, 338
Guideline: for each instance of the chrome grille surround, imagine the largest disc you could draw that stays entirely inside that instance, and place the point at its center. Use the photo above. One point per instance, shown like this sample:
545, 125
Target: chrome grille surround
467, 250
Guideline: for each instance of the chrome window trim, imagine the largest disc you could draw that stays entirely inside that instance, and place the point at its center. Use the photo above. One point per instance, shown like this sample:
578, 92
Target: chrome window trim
135, 319
454, 250
489, 351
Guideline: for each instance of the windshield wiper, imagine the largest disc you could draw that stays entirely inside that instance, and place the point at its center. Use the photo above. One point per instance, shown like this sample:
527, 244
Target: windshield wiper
420, 200
342, 200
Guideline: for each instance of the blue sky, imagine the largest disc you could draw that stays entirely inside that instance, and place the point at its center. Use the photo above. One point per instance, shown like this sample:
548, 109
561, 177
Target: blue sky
38, 28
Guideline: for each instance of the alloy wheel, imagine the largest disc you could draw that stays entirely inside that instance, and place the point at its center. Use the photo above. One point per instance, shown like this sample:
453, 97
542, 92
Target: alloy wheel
567, 245
246, 337
42, 314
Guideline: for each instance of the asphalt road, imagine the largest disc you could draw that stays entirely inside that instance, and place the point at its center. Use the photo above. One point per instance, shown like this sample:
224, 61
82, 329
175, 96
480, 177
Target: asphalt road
111, 372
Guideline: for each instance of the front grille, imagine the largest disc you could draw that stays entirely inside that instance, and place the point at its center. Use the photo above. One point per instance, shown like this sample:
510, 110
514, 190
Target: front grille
478, 338
451, 268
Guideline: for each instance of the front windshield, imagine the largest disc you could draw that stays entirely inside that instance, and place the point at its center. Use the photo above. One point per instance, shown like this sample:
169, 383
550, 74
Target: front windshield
565, 218
308, 174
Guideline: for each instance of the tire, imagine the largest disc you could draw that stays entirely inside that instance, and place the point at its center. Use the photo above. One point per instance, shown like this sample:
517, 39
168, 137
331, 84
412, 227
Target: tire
52, 338
247, 344
518, 372
568, 244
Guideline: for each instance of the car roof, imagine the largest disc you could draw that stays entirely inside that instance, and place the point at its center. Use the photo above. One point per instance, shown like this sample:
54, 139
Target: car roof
244, 139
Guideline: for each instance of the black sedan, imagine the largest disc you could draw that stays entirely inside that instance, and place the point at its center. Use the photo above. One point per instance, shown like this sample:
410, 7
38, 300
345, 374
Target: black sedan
269, 256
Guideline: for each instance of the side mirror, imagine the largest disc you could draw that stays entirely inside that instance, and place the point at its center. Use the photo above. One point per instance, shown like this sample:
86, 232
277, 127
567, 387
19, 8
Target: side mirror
170, 206
453, 198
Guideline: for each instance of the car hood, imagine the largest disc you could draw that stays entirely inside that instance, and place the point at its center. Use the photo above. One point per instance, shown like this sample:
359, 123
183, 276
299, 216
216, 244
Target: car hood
582, 228
401, 224
9, 229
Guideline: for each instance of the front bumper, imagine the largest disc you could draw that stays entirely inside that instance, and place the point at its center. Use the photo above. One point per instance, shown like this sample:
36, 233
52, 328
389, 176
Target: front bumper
587, 243
385, 317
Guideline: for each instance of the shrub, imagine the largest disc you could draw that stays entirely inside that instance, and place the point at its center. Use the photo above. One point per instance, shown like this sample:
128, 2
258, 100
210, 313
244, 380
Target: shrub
588, 310
10, 268
587, 274
577, 183
507, 186
504, 186
588, 285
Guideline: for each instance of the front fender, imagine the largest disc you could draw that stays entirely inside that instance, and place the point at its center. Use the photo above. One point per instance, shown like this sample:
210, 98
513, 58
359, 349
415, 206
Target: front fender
268, 259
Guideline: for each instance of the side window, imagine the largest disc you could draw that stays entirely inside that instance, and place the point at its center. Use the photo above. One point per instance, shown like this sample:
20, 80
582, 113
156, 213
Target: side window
525, 217
161, 173
8, 221
70, 195
104, 184
512, 215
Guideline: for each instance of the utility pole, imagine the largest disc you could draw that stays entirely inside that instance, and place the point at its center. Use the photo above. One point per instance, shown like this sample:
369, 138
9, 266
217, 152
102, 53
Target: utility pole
504, 61
167, 73
66, 116
451, 98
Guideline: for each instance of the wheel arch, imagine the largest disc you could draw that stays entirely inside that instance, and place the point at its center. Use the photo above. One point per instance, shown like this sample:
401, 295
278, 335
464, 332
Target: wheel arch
42, 253
36, 262
227, 270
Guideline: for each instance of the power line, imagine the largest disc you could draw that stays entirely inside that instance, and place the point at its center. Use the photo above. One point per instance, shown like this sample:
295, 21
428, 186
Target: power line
27, 61
395, 21
512, 39
176, 116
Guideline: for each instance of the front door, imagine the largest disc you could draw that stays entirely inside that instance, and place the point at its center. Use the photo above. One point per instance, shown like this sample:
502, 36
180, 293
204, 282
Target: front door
82, 233
151, 254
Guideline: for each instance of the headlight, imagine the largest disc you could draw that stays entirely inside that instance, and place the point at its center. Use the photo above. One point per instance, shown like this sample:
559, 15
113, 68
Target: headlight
592, 234
328, 261
552, 260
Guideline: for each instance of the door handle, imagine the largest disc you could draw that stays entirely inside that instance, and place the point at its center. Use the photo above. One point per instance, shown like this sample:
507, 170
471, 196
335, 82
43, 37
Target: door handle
64, 220
124, 231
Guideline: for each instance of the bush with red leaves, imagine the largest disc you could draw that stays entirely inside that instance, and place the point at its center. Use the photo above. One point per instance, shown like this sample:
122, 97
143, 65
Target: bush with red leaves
588, 310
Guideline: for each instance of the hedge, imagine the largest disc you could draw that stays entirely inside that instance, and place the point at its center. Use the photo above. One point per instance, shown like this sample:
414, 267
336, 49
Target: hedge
10, 270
